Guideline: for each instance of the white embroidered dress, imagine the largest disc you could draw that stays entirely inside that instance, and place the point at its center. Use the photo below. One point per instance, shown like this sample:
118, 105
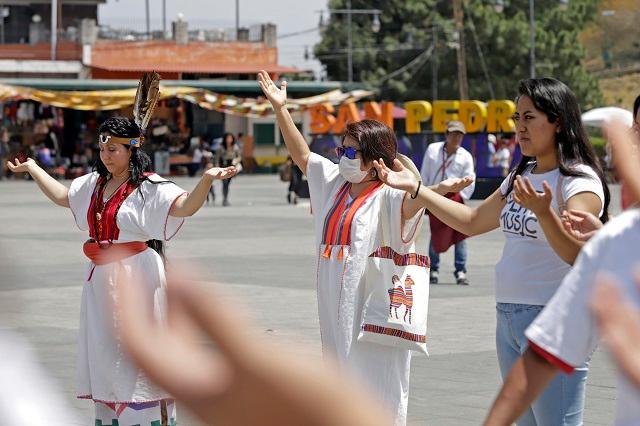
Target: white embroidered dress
104, 371
340, 283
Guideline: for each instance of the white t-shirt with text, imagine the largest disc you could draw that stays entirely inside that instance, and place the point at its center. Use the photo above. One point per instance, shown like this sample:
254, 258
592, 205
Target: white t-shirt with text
530, 271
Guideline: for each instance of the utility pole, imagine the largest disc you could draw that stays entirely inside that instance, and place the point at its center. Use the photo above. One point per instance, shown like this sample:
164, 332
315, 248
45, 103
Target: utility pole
54, 27
237, 18
146, 3
349, 45
434, 63
458, 17
532, 39
375, 27
164, 19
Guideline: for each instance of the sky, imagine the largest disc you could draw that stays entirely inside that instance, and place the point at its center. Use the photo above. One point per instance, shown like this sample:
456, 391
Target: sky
290, 16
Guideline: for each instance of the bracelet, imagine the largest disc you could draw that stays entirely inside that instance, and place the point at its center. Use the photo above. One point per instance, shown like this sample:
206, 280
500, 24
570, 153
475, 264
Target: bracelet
413, 197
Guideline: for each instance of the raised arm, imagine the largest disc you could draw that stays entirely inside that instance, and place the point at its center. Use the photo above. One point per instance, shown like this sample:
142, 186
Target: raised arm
468, 220
54, 190
188, 205
297, 146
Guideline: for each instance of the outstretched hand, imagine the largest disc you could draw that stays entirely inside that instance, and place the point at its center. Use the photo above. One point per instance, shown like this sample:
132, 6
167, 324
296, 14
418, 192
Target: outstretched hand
619, 323
221, 173
526, 195
399, 177
245, 380
21, 166
451, 185
580, 225
277, 97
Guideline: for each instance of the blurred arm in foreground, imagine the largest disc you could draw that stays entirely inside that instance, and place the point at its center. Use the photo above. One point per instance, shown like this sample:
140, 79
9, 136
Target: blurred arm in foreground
247, 380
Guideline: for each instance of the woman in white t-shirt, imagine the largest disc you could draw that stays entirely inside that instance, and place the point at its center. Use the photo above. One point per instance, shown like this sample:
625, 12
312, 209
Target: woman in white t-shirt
598, 298
558, 170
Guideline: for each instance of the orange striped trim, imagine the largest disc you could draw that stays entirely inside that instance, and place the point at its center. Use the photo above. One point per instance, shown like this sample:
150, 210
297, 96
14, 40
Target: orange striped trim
372, 328
357, 203
339, 218
402, 259
334, 215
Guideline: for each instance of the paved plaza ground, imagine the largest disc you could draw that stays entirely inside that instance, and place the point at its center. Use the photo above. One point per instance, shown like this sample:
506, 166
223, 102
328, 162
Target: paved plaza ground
261, 250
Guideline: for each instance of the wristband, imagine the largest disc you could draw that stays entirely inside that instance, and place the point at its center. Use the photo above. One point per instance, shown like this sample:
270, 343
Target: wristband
413, 197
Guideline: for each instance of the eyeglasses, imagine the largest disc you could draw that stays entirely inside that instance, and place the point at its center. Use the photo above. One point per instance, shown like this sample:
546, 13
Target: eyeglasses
349, 151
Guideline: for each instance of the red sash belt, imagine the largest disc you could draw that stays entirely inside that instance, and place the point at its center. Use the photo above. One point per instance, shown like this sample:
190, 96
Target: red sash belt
101, 255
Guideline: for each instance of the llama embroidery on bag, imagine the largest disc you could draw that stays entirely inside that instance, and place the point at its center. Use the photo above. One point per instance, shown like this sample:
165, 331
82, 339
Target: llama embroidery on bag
401, 296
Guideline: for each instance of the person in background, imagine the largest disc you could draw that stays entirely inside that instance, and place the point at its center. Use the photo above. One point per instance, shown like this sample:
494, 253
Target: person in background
228, 155
502, 157
292, 174
44, 157
444, 160
4, 150
248, 160
197, 151
211, 196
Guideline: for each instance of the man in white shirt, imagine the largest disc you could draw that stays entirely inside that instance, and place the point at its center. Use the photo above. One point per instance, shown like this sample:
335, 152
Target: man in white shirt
445, 160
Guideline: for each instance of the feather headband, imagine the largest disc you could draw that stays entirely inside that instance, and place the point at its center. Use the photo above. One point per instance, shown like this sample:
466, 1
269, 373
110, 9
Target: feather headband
146, 100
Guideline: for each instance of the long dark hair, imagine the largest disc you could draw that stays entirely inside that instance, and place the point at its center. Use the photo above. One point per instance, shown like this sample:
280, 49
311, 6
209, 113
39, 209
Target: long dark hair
558, 102
140, 162
224, 140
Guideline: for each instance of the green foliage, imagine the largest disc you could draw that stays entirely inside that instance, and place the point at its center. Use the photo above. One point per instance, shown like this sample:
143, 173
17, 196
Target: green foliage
406, 34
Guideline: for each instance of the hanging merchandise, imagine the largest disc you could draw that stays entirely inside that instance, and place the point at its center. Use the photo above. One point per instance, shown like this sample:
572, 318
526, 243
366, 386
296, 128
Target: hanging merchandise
107, 100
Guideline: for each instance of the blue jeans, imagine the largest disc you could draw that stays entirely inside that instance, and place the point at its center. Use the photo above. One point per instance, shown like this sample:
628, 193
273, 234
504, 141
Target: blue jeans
460, 257
562, 402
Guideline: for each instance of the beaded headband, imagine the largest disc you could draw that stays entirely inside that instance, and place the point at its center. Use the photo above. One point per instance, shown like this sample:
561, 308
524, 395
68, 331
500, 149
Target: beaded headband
133, 142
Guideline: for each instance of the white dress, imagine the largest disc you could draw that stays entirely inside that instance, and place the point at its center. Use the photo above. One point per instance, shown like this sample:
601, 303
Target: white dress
104, 371
340, 282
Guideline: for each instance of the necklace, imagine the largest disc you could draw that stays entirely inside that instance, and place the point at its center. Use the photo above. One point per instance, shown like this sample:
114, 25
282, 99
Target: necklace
101, 204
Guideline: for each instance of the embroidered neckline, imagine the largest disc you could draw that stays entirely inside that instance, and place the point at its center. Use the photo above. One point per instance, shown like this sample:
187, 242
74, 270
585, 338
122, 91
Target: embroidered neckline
339, 220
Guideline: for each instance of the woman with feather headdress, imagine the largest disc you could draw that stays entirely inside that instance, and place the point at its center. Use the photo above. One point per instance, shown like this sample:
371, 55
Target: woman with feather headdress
128, 212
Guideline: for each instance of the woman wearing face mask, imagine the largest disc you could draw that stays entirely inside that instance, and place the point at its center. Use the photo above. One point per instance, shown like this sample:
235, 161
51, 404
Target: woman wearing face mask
346, 200
559, 170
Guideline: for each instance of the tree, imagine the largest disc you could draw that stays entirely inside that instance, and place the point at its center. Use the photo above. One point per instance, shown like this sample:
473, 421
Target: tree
405, 44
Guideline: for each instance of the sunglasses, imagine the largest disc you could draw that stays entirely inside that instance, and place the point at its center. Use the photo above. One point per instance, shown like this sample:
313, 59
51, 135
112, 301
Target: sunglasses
349, 151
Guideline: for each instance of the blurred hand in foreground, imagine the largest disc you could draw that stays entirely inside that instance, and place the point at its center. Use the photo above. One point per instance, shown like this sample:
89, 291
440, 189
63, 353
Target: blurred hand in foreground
246, 380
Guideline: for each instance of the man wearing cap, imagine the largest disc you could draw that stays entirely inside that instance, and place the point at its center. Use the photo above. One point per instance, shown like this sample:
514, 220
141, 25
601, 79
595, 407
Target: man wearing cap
445, 160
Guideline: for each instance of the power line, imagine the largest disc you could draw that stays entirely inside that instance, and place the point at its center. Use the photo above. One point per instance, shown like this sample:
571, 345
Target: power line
481, 55
420, 59
297, 33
